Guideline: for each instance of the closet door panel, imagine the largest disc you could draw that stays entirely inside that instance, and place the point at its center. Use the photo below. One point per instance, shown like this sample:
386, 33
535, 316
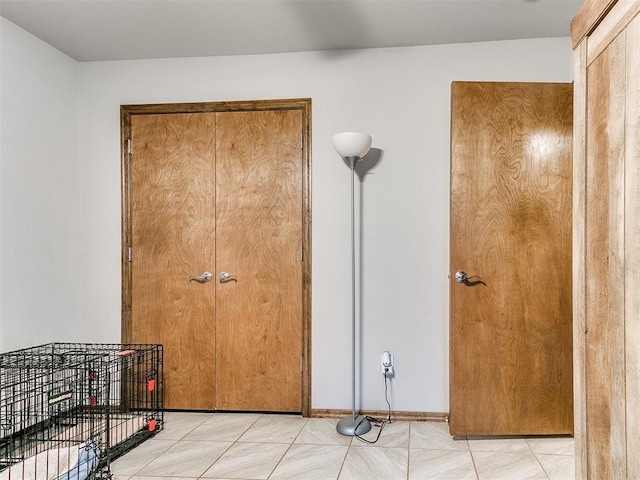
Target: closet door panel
632, 247
259, 240
605, 261
173, 237
606, 37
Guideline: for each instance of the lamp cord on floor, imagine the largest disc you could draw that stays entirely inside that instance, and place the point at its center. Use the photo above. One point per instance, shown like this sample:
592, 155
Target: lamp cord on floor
375, 421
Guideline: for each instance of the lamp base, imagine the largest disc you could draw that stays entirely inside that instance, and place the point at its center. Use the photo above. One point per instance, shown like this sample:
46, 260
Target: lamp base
350, 427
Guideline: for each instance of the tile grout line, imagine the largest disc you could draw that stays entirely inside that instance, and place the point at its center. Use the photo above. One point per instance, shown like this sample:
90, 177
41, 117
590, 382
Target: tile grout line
536, 457
288, 448
473, 459
344, 460
235, 442
232, 444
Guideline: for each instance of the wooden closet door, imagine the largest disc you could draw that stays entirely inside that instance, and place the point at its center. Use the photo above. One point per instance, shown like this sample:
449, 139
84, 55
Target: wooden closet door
605, 272
173, 225
220, 187
608, 70
259, 235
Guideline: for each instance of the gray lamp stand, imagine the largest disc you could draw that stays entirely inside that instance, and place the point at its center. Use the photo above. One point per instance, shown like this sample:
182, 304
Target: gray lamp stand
353, 424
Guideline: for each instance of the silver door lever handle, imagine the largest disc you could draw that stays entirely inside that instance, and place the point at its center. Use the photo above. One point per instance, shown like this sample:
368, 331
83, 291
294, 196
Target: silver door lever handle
462, 277
204, 278
224, 277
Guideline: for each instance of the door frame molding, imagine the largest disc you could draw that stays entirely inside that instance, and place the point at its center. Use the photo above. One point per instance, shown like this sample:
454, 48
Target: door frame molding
302, 104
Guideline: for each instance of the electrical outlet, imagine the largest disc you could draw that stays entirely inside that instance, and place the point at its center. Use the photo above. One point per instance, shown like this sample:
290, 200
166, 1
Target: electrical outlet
386, 364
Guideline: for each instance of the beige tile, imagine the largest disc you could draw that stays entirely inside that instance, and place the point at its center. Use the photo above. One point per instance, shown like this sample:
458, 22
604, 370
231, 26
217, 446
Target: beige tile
558, 467
552, 445
186, 459
322, 431
499, 444
434, 436
248, 460
311, 462
507, 466
136, 459
441, 465
364, 463
203, 442
162, 478
223, 427
179, 424
177, 418
394, 434
274, 429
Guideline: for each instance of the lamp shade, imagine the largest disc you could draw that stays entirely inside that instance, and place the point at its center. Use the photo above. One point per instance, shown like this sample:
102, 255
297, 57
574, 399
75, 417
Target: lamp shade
352, 144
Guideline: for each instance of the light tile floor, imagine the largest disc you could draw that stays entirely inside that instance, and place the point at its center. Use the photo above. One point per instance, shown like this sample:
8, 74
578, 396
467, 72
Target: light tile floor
224, 446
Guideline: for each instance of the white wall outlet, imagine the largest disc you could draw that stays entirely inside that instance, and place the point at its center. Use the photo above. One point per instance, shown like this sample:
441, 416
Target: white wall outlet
386, 364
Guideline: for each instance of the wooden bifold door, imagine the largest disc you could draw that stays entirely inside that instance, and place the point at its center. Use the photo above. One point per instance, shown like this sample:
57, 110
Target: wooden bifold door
214, 260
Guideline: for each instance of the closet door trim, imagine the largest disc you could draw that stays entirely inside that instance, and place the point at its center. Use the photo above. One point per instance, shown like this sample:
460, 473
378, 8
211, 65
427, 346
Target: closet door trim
302, 104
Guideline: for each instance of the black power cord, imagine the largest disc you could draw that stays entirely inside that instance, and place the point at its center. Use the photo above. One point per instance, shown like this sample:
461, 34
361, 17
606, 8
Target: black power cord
376, 422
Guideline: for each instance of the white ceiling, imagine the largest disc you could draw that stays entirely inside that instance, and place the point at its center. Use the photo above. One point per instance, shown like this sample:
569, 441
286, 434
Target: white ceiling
89, 30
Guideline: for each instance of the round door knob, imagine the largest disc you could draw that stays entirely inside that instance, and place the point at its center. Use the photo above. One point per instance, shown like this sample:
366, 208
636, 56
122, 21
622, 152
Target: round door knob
461, 276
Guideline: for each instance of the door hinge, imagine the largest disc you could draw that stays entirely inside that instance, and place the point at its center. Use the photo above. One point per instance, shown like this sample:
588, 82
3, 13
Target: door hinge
301, 142
129, 146
300, 364
130, 254
301, 253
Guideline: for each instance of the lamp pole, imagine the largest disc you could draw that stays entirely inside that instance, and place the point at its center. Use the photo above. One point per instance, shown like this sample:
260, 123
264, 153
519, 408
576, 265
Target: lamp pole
355, 424
352, 165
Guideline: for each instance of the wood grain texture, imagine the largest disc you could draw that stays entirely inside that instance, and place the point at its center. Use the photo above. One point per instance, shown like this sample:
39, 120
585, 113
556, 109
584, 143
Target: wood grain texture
303, 106
611, 26
605, 263
511, 200
396, 415
173, 236
259, 213
632, 248
612, 161
579, 264
588, 18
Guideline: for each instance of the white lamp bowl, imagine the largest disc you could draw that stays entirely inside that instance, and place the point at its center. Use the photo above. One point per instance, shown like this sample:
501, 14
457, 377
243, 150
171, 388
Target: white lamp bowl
352, 144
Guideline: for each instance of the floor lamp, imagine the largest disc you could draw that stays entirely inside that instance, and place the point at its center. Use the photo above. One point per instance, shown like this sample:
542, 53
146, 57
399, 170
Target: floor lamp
352, 146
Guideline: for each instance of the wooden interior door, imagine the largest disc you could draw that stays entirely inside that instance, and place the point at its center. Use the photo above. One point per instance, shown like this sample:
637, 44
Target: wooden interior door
511, 202
211, 188
172, 237
259, 231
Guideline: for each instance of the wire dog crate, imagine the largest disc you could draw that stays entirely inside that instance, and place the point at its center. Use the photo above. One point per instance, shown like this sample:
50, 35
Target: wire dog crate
68, 409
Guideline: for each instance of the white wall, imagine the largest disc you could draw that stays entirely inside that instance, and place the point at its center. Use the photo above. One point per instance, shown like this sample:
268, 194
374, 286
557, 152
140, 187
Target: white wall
401, 97
60, 192
40, 210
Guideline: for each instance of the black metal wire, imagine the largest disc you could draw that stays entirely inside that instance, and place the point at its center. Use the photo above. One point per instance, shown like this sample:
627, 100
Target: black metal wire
64, 395
375, 421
